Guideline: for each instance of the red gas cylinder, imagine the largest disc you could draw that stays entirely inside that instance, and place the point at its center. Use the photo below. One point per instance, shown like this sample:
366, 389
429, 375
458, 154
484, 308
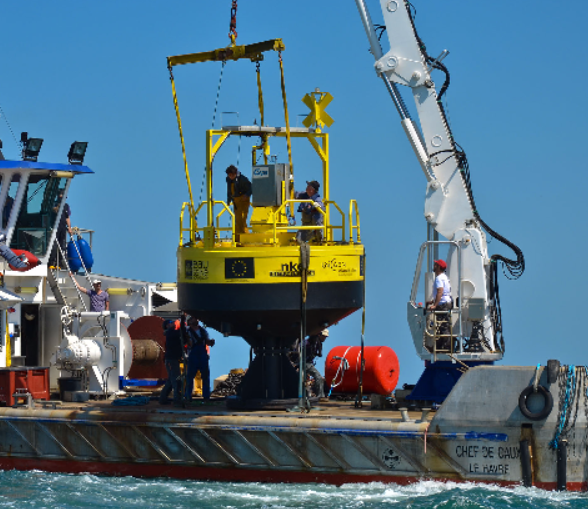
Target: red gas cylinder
380, 375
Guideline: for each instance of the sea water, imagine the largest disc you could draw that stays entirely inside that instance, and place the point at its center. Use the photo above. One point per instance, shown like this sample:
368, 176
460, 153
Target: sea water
61, 491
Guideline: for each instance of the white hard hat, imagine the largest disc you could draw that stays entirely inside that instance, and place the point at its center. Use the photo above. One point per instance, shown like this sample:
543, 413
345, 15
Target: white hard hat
96, 282
325, 332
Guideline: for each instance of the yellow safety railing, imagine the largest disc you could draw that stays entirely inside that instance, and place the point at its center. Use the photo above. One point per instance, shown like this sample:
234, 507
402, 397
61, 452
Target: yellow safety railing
354, 207
228, 228
293, 227
327, 228
193, 228
190, 229
331, 227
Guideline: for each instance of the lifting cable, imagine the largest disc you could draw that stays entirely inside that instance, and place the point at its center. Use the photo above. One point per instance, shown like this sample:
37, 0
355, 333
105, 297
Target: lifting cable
303, 402
259, 92
359, 396
171, 78
263, 144
218, 91
288, 140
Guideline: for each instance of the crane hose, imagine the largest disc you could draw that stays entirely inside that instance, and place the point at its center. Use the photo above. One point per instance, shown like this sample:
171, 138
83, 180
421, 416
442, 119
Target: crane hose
515, 268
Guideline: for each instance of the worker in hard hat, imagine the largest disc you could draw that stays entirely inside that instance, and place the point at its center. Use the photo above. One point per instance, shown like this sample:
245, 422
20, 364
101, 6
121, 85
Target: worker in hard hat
442, 301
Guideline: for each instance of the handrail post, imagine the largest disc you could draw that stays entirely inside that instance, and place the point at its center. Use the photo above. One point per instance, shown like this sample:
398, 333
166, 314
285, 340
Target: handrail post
351, 221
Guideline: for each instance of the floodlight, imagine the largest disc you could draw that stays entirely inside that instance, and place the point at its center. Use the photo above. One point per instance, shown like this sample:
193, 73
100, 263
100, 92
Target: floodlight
31, 148
77, 151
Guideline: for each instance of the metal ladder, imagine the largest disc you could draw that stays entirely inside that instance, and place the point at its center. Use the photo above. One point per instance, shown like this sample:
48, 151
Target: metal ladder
64, 289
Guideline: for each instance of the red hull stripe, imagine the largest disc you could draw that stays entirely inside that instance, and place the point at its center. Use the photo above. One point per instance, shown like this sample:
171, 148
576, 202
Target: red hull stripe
232, 474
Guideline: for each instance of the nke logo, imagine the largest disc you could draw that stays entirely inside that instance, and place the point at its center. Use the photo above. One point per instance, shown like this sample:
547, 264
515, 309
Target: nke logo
291, 267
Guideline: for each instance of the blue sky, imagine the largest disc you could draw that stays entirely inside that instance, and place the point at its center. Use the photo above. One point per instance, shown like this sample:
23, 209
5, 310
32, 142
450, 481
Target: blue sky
96, 71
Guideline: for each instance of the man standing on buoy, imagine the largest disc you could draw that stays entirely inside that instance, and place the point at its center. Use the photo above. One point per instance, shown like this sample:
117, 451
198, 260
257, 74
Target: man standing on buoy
310, 213
99, 300
238, 192
442, 301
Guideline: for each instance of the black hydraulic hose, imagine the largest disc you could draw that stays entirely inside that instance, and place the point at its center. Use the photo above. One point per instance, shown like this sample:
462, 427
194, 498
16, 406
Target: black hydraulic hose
514, 267
441, 67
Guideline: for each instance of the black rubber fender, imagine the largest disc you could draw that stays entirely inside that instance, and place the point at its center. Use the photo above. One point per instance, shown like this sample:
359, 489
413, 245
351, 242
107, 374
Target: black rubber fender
547, 408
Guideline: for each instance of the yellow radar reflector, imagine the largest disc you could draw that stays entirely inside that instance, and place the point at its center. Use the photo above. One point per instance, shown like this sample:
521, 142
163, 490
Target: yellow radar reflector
317, 103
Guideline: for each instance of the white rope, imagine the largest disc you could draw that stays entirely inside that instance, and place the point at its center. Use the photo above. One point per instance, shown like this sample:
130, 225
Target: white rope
343, 366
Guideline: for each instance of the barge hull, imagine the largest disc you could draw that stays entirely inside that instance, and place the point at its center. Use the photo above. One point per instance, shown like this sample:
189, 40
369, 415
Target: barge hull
240, 474
474, 437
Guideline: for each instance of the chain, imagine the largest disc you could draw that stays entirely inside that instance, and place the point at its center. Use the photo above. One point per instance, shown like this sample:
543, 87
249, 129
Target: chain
233, 24
567, 392
570, 431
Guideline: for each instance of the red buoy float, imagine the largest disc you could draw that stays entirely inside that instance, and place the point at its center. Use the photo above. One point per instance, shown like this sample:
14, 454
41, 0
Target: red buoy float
343, 364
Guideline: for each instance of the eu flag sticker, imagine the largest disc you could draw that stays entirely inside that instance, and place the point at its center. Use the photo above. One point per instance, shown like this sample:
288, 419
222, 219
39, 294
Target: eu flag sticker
239, 268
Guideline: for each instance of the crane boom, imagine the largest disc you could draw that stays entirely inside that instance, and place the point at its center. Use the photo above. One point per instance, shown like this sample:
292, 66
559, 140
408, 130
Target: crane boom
449, 205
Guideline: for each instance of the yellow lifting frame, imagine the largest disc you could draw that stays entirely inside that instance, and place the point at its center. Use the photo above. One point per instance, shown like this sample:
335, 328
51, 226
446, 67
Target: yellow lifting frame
254, 52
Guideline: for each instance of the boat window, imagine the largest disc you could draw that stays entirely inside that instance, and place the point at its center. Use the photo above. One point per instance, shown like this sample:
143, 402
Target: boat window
38, 213
10, 200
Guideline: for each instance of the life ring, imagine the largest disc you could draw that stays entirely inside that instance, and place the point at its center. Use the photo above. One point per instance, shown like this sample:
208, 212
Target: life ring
547, 408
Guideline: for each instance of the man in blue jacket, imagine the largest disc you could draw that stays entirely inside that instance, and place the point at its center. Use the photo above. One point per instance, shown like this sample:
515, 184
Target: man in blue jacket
198, 340
310, 213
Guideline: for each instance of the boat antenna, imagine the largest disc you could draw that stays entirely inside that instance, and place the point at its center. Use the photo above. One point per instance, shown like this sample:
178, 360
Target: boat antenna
9, 127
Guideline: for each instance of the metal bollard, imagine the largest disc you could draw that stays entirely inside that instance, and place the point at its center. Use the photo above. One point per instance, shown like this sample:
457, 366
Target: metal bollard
526, 464
562, 456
